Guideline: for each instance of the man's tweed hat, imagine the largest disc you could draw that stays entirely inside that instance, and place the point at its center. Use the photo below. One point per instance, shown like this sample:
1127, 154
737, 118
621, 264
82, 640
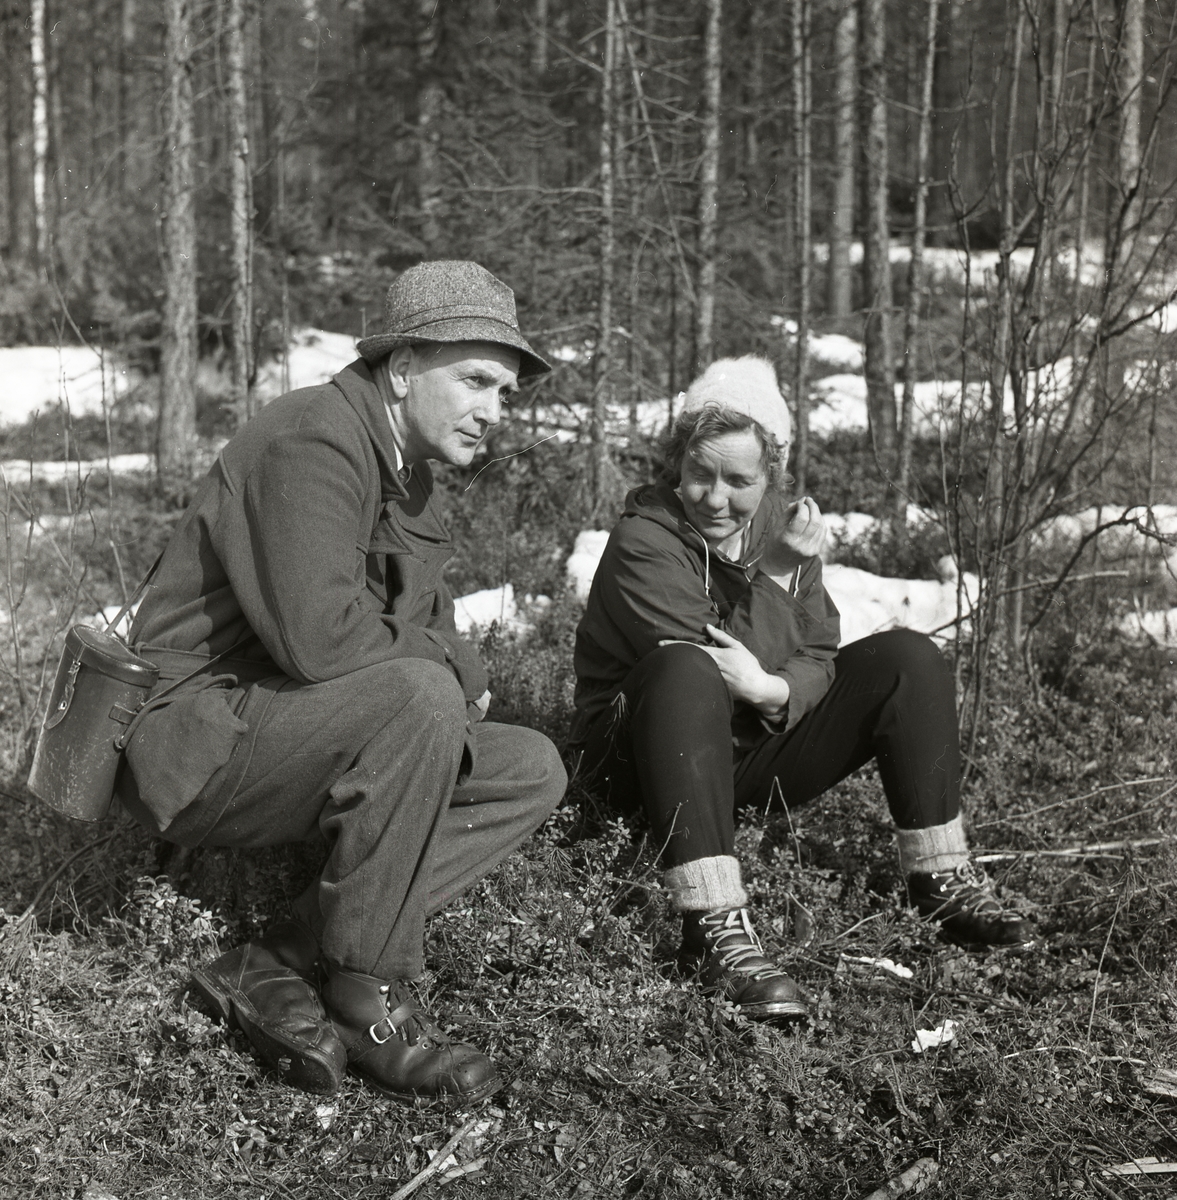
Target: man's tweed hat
451, 301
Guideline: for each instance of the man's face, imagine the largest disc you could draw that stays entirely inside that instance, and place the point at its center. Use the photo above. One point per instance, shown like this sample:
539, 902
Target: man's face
448, 396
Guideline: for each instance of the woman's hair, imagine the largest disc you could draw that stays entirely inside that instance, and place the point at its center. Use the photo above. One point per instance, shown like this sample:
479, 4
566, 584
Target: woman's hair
712, 421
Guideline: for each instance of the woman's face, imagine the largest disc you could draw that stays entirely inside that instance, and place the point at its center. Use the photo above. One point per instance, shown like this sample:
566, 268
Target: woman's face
723, 481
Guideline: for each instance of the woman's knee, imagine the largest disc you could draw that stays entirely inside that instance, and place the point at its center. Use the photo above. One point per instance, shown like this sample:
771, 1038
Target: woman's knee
681, 665
899, 654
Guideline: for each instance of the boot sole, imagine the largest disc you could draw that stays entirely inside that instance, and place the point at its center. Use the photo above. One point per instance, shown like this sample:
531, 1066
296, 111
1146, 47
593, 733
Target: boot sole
299, 1065
443, 1099
775, 1010
962, 943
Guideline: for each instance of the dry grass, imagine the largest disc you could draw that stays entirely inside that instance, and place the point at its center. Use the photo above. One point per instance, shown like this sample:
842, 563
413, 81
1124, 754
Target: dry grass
623, 1080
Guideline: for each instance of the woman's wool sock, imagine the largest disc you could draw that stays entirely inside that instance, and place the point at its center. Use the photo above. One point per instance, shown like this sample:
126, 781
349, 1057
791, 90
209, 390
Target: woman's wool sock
706, 884
934, 849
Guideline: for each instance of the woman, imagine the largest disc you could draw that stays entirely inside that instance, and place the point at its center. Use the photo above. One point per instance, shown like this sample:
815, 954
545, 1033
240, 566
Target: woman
709, 678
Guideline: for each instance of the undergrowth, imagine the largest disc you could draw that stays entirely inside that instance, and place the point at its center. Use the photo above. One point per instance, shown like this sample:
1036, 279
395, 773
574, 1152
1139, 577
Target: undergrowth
622, 1079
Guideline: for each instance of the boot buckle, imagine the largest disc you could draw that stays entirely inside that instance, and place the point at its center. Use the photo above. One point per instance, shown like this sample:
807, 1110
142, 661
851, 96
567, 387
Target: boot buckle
381, 1040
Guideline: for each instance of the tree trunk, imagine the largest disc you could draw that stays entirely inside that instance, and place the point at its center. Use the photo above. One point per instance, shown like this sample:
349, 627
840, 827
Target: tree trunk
603, 358
429, 106
177, 407
126, 71
879, 369
754, 89
21, 239
539, 40
708, 188
802, 204
1130, 87
1085, 170
1000, 499
535, 107
915, 278
40, 130
842, 212
240, 213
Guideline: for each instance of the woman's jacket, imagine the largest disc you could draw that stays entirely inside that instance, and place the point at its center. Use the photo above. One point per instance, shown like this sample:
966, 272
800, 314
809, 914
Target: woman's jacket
658, 579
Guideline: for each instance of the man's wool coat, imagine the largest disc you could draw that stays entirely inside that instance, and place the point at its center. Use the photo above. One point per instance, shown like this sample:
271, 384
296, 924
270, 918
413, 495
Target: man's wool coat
305, 555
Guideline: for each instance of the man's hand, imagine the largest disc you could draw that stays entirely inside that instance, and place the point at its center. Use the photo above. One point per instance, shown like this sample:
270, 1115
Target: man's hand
476, 709
801, 536
746, 679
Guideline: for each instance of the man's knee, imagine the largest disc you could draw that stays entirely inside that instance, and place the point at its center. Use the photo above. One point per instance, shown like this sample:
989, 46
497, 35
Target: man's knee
538, 773
424, 687
551, 773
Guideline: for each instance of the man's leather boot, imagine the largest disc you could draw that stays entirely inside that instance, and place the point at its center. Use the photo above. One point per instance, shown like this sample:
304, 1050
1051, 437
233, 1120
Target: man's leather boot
266, 988
397, 1047
722, 950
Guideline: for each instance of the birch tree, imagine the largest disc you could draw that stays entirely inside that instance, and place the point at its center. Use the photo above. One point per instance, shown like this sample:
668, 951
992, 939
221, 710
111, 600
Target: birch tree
603, 358
240, 213
845, 142
708, 186
878, 366
177, 406
40, 128
802, 205
915, 275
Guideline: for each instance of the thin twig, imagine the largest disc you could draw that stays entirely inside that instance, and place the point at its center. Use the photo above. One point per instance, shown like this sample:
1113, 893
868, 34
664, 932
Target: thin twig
1100, 848
1099, 791
1099, 966
436, 1164
43, 890
776, 783
918, 1176
504, 457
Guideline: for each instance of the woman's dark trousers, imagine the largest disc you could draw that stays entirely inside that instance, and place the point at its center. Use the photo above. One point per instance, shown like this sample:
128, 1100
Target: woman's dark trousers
666, 743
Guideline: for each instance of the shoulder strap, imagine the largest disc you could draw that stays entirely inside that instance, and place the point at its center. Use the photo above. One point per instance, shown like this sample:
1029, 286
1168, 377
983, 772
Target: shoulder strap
126, 608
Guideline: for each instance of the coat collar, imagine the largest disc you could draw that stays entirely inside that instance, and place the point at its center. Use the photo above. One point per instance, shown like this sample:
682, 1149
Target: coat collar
414, 512
660, 503
362, 393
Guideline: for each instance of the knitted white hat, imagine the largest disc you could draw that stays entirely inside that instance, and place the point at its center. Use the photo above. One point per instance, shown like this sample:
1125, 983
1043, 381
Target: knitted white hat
745, 385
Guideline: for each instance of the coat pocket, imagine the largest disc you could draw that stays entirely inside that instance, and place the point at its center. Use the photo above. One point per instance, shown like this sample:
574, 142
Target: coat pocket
180, 746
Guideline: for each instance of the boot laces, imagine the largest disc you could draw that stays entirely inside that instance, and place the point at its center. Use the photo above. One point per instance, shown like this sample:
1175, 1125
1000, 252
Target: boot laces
410, 1022
735, 944
969, 889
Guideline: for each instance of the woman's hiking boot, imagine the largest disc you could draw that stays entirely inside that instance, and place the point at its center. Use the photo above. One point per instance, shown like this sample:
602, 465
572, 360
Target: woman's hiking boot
723, 952
266, 988
400, 1049
964, 902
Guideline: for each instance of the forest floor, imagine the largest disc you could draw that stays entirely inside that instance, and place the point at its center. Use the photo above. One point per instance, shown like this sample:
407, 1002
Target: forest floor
622, 1079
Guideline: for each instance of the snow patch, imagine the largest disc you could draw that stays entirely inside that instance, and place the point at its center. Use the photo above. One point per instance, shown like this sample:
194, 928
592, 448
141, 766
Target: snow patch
17, 470
479, 610
582, 562
313, 357
37, 378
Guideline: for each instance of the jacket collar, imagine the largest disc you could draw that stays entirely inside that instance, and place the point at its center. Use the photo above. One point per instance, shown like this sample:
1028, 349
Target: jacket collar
660, 503
362, 393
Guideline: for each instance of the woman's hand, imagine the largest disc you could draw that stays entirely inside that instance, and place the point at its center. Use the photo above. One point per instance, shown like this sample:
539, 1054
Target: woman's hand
746, 679
801, 536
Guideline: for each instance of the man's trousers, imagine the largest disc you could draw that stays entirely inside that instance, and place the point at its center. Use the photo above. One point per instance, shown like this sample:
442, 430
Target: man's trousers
414, 805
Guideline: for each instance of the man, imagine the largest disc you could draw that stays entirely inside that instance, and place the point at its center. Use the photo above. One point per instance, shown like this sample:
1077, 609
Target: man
345, 702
